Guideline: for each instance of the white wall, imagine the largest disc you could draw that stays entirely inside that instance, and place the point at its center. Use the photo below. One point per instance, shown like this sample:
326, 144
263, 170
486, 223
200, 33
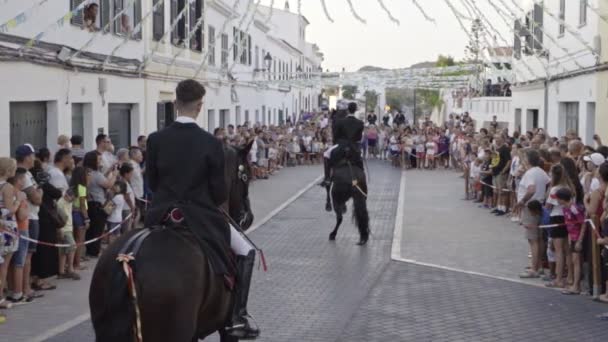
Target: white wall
63, 88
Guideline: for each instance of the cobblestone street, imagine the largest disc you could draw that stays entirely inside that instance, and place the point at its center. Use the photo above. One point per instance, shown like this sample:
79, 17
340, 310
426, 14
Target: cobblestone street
321, 291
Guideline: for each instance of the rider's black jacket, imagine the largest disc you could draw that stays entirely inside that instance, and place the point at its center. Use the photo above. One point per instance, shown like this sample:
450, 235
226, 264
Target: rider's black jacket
185, 169
348, 134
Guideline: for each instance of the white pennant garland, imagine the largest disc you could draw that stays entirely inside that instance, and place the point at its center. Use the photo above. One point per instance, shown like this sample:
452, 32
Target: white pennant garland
352, 10
390, 15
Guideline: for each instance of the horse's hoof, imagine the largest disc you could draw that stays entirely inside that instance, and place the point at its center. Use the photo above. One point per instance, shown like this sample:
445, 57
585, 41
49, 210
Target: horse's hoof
328, 207
332, 237
363, 241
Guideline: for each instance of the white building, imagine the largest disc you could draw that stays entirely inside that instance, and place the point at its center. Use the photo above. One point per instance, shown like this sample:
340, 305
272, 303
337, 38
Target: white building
562, 90
47, 90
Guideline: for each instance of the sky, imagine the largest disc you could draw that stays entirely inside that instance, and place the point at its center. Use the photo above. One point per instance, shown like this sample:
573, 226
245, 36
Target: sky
348, 43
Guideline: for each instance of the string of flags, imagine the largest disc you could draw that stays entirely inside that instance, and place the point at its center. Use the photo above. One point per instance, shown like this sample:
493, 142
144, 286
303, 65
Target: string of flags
57, 24
20, 18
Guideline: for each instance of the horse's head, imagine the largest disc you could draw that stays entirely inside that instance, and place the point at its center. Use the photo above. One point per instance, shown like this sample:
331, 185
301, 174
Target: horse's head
240, 176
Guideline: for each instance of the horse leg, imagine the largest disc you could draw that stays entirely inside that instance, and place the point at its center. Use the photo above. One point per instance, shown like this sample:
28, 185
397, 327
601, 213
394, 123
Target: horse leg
328, 207
361, 215
339, 218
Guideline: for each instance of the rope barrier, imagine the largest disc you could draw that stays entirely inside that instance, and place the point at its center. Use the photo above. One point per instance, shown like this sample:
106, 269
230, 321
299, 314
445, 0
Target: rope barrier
65, 245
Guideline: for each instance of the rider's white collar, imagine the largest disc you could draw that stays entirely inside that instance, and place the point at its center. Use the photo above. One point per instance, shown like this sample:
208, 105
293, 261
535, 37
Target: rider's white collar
185, 120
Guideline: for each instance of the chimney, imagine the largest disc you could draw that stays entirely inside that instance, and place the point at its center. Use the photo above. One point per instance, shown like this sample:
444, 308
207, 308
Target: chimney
287, 5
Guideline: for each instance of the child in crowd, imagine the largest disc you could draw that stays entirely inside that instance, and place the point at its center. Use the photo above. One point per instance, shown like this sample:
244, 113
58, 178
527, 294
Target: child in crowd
574, 215
128, 211
66, 237
115, 219
530, 220
272, 157
19, 258
475, 179
431, 149
486, 180
9, 204
558, 234
419, 140
80, 217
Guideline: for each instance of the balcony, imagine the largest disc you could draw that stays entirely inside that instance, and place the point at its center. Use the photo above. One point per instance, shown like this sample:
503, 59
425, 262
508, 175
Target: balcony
483, 109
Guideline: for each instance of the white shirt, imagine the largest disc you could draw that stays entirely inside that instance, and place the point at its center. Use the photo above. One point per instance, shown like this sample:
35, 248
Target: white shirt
107, 162
31, 182
324, 122
116, 216
58, 179
137, 181
475, 171
557, 209
537, 177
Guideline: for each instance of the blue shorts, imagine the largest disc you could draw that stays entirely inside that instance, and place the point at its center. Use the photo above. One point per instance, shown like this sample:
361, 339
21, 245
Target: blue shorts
21, 254
78, 219
34, 234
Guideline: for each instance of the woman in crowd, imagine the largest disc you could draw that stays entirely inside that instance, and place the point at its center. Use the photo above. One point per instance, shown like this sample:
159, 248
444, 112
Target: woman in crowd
97, 188
80, 216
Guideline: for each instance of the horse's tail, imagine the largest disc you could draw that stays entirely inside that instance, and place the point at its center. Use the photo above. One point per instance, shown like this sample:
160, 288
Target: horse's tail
360, 214
114, 319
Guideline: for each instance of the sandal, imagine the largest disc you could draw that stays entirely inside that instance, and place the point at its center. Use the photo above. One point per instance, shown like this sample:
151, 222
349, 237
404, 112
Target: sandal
5, 304
529, 275
571, 293
34, 295
43, 287
554, 285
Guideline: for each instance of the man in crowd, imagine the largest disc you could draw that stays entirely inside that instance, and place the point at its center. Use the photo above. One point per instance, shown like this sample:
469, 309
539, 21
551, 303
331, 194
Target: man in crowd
78, 151
105, 149
500, 173
63, 162
25, 155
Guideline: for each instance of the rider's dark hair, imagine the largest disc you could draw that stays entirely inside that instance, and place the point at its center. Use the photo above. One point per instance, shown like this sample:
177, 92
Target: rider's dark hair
188, 91
352, 107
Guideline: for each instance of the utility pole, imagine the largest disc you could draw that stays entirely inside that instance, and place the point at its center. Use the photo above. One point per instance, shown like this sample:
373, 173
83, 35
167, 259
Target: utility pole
414, 115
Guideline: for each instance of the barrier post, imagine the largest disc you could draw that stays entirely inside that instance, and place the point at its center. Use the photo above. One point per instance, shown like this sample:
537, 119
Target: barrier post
596, 261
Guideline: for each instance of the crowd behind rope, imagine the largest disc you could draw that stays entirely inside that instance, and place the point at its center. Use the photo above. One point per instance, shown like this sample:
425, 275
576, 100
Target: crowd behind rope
555, 188
64, 197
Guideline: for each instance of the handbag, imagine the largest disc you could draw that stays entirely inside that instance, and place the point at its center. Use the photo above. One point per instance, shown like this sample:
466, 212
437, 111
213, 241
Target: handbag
56, 215
108, 207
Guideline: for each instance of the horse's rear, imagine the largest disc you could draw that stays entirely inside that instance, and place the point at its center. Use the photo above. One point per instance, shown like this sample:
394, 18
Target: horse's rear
348, 182
180, 298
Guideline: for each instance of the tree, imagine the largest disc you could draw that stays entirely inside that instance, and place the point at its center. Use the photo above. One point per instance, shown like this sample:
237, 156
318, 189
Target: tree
473, 50
445, 61
349, 92
371, 100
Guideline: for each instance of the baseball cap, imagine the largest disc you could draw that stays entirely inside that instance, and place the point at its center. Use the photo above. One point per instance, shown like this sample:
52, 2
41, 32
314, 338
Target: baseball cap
596, 158
24, 151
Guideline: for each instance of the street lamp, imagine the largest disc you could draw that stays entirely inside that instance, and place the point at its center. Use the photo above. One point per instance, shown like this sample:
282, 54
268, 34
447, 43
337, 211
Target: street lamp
268, 62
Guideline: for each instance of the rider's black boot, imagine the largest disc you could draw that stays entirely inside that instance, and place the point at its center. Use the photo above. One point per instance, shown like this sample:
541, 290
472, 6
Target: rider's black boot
243, 325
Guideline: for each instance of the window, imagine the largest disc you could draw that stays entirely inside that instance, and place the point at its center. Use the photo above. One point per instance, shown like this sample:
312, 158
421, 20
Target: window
571, 111
582, 16
95, 16
235, 43
211, 120
224, 50
158, 21
249, 49
257, 57
243, 47
211, 45
195, 14
562, 16
178, 34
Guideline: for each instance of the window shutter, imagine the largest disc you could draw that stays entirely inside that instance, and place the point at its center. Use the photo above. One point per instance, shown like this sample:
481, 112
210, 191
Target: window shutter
118, 6
248, 49
538, 26
77, 19
137, 17
158, 21
174, 32
235, 39
105, 14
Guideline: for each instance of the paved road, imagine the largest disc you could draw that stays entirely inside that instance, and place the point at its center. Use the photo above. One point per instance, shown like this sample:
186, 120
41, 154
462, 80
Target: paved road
321, 291
69, 303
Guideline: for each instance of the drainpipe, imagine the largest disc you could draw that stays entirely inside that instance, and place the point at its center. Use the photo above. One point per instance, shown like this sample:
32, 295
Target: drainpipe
546, 106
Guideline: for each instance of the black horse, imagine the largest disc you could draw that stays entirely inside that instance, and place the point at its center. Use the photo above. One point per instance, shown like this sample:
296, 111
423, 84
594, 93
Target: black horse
348, 181
179, 296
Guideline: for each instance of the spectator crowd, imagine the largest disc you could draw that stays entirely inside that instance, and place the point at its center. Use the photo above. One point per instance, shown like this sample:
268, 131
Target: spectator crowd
555, 188
53, 201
